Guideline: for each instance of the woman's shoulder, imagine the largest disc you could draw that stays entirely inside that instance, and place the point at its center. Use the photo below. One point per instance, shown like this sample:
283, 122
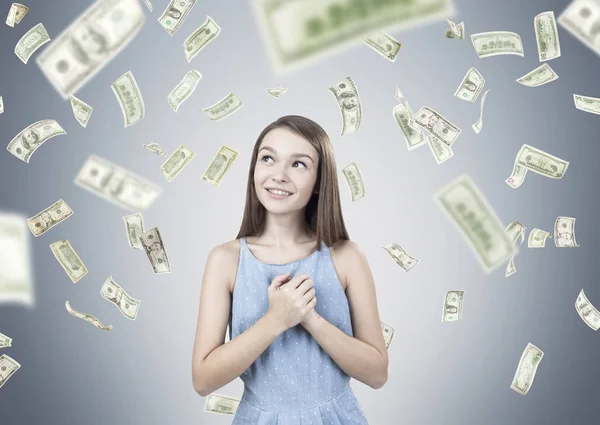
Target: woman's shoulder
345, 246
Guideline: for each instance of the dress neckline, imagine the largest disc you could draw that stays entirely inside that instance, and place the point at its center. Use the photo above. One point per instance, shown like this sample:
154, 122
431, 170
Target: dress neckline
279, 264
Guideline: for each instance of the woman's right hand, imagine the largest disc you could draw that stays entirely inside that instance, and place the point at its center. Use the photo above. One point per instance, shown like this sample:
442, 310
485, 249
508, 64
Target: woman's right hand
290, 300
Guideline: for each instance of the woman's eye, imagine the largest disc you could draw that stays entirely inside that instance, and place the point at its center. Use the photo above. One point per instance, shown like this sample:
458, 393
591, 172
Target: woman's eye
300, 162
269, 156
266, 156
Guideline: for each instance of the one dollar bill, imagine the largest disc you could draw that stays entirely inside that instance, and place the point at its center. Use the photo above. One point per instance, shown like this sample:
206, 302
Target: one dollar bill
174, 14
346, 95
48, 218
222, 161
69, 260
155, 250
586, 310
8, 367
355, 181
184, 89
453, 306
401, 257
33, 39
134, 228
130, 99
527, 368
177, 162
87, 317
221, 404
115, 294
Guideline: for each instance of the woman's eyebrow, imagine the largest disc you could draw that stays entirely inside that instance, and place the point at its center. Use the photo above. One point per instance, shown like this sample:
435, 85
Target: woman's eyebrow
295, 155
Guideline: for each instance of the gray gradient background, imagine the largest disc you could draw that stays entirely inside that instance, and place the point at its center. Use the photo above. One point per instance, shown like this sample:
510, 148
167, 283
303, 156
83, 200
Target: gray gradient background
453, 373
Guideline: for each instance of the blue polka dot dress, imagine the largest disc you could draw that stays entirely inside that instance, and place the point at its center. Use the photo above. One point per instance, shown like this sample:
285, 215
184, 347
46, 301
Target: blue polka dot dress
294, 381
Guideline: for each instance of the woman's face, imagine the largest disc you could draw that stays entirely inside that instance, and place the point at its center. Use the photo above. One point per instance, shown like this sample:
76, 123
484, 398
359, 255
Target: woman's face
281, 164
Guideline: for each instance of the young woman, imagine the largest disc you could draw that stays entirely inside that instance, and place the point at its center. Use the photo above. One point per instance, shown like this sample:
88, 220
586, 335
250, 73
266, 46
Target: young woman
294, 354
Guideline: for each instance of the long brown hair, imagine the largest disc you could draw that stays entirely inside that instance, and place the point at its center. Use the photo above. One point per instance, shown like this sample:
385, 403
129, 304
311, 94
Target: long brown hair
323, 213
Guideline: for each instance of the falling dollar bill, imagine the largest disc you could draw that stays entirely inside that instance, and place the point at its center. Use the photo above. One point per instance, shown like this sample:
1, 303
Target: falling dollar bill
116, 184
346, 94
413, 135
546, 36
579, 19
587, 103
114, 293
494, 43
543, 74
200, 38
564, 232
48, 218
515, 230
441, 151
528, 364
8, 367
16, 13
1, 105
219, 165
5, 341
130, 98
471, 85
223, 108
89, 43
467, 208
297, 32
536, 160
81, 110
174, 15
510, 267
537, 238
586, 310
453, 306
134, 228
15, 261
154, 147
456, 31
384, 44
479, 124
148, 5
388, 334
399, 255
277, 91
437, 124
184, 89
355, 181
177, 162
69, 260
221, 404
33, 39
88, 318
24, 144
157, 254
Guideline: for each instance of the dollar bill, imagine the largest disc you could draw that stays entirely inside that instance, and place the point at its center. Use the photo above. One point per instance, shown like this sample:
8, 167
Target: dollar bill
494, 43
348, 99
48, 218
536, 160
441, 152
33, 39
134, 228
384, 44
543, 74
355, 181
148, 5
69, 260
5, 341
467, 208
154, 147
200, 38
401, 257
88, 318
510, 267
16, 13
24, 144
298, 32
388, 334
223, 108
515, 230
471, 85
413, 135
219, 165
16, 284
580, 20
177, 162
116, 184
586, 310
277, 92
155, 249
456, 31
537, 238
1, 105
184, 89
437, 124
174, 15
8, 367
528, 364
81, 110
479, 124
453, 306
587, 103
91, 41
221, 404
130, 98
546, 36
114, 293
564, 232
